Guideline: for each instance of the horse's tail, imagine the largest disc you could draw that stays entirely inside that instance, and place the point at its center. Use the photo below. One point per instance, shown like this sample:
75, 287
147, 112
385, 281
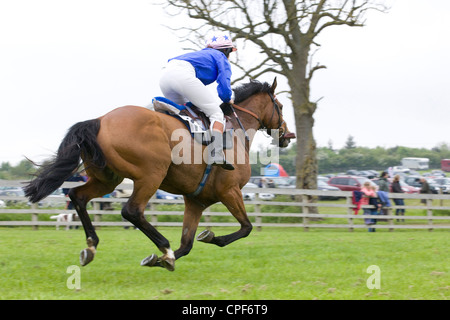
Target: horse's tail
81, 139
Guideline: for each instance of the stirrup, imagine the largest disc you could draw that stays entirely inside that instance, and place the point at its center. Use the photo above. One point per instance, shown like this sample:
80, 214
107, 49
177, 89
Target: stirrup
226, 165
223, 163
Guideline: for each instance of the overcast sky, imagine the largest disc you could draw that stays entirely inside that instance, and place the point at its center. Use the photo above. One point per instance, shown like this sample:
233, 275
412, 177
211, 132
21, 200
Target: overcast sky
64, 61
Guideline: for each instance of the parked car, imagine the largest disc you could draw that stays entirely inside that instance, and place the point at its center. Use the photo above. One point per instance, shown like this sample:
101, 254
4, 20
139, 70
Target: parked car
161, 194
322, 185
405, 187
352, 173
348, 183
56, 198
369, 174
444, 184
12, 192
249, 195
415, 182
252, 195
266, 196
438, 173
2, 204
398, 169
272, 182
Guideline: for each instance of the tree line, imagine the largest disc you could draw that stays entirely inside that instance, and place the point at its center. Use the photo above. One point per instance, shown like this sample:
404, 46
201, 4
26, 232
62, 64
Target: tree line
328, 159
361, 158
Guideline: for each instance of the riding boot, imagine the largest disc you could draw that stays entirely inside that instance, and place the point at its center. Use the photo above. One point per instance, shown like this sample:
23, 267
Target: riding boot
216, 151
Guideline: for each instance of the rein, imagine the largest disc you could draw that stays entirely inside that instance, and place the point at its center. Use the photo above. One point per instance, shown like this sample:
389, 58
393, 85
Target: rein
261, 124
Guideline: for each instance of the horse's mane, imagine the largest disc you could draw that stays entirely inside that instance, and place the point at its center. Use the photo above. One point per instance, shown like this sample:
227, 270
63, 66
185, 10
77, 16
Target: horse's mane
246, 90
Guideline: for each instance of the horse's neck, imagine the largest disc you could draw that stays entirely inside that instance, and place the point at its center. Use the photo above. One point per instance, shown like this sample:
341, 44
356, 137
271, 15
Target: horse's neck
250, 124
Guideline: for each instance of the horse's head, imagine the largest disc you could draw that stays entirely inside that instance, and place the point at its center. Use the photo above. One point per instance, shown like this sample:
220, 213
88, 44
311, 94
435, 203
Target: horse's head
272, 117
264, 107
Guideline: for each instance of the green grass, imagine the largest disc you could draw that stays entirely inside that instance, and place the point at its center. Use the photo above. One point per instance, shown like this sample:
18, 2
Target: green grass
272, 264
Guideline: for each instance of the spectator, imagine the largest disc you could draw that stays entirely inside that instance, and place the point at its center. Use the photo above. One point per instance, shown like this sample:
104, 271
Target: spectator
396, 188
375, 210
369, 197
425, 189
262, 183
384, 184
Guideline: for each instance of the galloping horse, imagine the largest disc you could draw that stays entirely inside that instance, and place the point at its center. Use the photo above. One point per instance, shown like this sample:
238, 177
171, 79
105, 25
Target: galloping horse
134, 142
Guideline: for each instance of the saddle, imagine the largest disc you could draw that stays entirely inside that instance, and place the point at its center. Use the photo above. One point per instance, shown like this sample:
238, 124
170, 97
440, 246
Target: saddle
194, 119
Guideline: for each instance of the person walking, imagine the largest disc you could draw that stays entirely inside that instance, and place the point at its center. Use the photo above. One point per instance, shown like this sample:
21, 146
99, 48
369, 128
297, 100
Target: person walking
425, 189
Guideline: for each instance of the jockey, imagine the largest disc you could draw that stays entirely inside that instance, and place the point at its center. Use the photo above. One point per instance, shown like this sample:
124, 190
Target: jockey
185, 78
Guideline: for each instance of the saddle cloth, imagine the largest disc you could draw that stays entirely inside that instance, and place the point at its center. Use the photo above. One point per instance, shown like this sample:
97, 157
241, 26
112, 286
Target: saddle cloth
195, 120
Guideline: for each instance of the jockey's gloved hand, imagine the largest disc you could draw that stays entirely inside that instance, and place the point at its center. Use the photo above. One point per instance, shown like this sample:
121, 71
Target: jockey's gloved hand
226, 108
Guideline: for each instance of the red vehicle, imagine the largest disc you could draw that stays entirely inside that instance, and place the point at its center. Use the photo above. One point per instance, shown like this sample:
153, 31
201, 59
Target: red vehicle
405, 187
348, 183
445, 165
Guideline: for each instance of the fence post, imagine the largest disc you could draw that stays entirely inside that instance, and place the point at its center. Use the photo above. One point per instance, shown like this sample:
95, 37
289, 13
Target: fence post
97, 217
153, 217
305, 209
207, 217
430, 214
35, 215
391, 220
258, 218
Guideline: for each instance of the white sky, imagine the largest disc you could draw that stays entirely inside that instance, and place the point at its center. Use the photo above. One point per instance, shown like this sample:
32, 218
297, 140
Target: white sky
64, 61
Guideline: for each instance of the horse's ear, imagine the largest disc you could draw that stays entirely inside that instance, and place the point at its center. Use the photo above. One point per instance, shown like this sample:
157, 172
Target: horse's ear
274, 85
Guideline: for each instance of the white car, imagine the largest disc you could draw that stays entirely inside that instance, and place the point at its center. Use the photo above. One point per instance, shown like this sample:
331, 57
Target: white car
2, 204
251, 195
401, 169
266, 196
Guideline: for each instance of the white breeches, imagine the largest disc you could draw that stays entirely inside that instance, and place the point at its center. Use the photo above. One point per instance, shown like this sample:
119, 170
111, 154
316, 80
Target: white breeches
179, 84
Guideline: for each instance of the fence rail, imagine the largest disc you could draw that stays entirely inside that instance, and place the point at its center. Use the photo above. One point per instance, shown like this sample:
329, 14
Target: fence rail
304, 217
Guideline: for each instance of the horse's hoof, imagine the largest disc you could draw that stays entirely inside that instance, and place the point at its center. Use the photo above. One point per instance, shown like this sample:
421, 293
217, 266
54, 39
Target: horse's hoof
86, 256
169, 264
205, 236
150, 261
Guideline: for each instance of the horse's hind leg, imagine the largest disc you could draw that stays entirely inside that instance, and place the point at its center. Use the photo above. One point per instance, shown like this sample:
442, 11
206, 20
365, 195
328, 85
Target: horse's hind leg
133, 211
80, 196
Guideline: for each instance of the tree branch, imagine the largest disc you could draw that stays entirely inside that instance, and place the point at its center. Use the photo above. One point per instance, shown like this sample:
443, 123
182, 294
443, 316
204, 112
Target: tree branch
284, 34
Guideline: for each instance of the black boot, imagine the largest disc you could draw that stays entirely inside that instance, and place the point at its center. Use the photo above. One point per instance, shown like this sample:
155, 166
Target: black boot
217, 156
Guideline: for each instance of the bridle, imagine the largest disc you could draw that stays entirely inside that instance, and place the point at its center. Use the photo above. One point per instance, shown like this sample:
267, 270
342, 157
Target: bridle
262, 126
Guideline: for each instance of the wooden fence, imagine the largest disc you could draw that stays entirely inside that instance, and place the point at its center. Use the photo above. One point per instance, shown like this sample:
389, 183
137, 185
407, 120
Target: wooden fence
342, 215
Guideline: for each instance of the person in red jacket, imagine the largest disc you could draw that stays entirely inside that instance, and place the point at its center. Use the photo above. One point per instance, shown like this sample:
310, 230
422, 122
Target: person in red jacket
369, 194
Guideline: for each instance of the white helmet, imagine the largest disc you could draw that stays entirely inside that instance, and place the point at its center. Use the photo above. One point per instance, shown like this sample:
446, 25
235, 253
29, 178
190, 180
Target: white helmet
220, 41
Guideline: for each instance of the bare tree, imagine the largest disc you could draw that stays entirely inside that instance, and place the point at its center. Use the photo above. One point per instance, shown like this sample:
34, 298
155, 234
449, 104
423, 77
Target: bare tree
285, 33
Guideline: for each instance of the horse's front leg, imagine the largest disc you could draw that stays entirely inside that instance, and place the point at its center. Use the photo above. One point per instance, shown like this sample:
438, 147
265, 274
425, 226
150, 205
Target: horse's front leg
234, 202
192, 213
133, 211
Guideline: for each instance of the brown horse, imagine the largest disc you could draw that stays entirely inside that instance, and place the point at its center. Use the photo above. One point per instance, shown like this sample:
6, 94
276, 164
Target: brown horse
137, 143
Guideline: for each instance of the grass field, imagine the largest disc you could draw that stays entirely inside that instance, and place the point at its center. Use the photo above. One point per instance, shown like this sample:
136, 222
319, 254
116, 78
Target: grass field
271, 264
